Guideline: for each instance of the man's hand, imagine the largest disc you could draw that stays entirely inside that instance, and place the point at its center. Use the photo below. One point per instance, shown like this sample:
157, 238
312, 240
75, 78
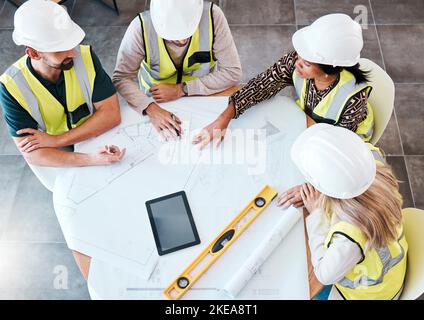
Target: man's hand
167, 92
310, 197
108, 154
37, 139
165, 122
291, 197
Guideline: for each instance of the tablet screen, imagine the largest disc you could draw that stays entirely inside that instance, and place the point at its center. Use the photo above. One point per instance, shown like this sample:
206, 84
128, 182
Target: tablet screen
172, 223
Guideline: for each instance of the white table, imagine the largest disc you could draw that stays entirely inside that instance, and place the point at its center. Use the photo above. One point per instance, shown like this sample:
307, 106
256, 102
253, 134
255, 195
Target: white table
216, 193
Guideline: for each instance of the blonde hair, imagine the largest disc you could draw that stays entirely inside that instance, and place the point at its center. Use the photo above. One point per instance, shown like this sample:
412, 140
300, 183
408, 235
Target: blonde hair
376, 212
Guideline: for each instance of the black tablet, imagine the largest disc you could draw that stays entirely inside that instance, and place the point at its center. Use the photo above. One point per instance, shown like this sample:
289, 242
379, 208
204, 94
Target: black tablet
172, 223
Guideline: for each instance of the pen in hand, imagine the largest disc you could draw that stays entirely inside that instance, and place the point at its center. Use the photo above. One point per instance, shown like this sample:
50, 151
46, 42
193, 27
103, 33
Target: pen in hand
110, 149
175, 119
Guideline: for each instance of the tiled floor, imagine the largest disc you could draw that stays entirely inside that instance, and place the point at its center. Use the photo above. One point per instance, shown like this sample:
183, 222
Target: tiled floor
32, 249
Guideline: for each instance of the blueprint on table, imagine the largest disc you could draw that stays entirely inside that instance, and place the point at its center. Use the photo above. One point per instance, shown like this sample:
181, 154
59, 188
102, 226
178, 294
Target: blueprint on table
102, 211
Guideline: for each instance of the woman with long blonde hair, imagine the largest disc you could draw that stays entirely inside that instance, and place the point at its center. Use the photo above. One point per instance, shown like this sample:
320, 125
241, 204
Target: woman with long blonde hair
355, 222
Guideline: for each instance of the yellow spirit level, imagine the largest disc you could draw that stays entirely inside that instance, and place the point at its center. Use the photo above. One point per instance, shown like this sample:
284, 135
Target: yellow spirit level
218, 246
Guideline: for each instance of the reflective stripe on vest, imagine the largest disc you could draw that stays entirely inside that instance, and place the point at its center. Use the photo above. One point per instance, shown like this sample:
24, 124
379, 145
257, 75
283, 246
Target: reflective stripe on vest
85, 84
28, 95
381, 272
368, 134
332, 104
158, 67
43, 107
377, 154
388, 263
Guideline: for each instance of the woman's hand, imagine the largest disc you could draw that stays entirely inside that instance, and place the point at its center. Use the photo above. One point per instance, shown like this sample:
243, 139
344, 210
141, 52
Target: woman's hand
310, 197
215, 131
290, 197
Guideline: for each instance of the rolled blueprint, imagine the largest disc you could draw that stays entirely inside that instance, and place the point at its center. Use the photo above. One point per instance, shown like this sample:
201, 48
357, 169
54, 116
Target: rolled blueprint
262, 252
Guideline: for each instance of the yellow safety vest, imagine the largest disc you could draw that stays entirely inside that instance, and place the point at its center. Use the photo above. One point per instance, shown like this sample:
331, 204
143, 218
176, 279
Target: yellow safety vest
50, 115
158, 67
377, 154
332, 105
381, 272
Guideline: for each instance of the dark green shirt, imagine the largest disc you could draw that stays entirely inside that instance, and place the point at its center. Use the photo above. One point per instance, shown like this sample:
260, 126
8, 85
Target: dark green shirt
18, 118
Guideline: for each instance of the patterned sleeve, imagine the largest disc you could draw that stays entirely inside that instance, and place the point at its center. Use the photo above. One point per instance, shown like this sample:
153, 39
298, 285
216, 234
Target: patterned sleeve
266, 84
355, 111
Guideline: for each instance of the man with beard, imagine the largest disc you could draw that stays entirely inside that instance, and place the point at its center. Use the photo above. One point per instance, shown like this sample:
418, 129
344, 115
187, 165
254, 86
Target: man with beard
58, 94
175, 49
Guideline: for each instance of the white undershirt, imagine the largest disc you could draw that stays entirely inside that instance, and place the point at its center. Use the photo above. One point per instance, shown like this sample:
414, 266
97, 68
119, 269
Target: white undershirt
332, 264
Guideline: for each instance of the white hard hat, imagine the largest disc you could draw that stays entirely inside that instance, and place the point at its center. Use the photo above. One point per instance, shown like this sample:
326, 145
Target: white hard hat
334, 39
45, 26
176, 20
334, 160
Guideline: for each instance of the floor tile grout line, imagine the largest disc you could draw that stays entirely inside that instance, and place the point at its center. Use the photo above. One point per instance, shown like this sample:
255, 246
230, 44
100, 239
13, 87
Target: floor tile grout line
74, 5
70, 12
397, 125
408, 83
295, 14
410, 184
404, 159
392, 154
394, 108
397, 24
409, 179
10, 213
3, 6
378, 37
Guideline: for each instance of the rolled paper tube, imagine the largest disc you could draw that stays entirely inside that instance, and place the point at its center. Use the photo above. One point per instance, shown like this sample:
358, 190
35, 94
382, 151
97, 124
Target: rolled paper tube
261, 253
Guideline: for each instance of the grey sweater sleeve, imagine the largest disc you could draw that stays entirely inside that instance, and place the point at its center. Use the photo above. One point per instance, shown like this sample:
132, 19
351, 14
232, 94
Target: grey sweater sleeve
130, 54
229, 71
